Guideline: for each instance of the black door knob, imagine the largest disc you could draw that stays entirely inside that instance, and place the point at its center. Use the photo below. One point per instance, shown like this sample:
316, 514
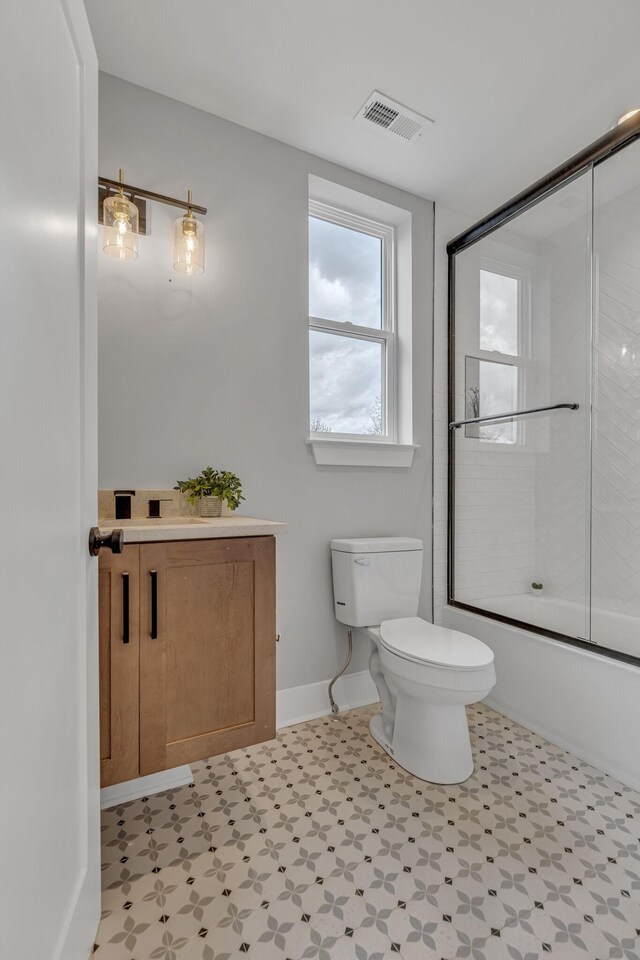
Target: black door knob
113, 541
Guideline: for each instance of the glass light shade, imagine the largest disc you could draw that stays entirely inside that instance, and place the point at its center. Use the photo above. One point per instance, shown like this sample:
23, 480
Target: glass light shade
627, 115
188, 257
120, 218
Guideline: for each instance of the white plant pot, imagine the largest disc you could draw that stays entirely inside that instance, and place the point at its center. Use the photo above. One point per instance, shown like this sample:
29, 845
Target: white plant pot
210, 507
536, 593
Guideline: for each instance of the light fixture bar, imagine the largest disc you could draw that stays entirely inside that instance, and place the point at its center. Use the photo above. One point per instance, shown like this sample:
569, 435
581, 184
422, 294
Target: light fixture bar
149, 195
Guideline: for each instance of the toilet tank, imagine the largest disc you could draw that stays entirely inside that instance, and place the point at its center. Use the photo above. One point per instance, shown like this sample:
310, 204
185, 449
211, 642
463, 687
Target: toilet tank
376, 579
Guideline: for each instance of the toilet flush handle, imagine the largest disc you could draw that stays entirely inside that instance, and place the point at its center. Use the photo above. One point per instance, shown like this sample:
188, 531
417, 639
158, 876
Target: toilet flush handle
363, 561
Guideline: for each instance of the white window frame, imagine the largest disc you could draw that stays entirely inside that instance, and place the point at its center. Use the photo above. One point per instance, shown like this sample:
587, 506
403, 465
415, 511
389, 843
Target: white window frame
386, 335
522, 359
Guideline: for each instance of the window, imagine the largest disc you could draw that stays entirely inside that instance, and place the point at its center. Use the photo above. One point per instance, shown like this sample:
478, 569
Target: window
492, 388
352, 337
496, 385
499, 312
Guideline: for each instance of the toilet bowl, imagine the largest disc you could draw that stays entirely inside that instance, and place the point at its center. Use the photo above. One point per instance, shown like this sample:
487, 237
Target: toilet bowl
425, 674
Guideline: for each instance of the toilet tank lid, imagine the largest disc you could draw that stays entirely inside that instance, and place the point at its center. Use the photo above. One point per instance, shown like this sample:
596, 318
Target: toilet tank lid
377, 545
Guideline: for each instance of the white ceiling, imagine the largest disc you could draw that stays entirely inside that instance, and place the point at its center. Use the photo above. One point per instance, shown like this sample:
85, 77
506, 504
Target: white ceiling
514, 86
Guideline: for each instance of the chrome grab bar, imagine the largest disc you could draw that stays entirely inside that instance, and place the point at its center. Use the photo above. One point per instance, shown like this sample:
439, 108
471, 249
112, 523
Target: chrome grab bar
510, 416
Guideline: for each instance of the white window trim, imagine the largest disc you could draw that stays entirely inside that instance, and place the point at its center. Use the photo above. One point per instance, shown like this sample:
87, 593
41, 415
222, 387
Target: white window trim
366, 450
361, 453
387, 335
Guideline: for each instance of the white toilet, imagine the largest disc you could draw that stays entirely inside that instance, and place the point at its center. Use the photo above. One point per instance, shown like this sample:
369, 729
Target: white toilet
425, 674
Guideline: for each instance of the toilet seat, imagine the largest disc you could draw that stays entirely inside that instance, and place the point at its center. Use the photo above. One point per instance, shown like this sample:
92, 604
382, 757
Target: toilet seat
416, 640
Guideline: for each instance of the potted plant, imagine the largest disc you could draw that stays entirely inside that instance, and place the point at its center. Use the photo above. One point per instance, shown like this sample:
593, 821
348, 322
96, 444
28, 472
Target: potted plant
537, 588
211, 488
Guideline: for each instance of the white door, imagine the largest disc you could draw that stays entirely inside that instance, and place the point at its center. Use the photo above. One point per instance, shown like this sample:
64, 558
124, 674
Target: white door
49, 868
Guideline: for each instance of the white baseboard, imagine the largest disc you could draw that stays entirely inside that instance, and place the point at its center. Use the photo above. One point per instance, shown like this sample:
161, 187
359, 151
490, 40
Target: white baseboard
143, 786
311, 700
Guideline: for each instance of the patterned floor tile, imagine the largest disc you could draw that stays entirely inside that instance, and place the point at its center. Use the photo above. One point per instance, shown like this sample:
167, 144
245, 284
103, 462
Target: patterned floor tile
516, 943
564, 931
150, 887
317, 845
430, 861
552, 858
416, 936
138, 932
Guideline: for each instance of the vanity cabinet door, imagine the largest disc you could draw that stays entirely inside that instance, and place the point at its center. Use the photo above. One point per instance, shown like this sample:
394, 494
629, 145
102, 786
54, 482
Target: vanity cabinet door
207, 648
119, 664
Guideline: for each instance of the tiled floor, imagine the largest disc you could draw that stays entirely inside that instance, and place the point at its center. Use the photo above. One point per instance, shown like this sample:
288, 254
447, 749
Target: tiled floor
317, 845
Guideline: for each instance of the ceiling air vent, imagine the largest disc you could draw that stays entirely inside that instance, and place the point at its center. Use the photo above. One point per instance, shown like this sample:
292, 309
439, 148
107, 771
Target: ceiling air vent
392, 118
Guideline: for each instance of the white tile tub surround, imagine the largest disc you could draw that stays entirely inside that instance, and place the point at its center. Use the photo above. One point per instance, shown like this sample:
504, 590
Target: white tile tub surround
495, 494
521, 509
582, 700
560, 498
561, 495
562, 513
616, 452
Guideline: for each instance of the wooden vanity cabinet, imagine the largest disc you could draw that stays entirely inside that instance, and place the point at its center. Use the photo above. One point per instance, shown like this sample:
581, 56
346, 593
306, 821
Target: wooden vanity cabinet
118, 606
198, 676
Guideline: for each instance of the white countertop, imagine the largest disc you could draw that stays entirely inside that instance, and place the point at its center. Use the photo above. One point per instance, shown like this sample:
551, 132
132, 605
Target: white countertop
192, 528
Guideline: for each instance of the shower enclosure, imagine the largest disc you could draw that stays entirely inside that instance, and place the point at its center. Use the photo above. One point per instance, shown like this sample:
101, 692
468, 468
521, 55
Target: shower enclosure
544, 404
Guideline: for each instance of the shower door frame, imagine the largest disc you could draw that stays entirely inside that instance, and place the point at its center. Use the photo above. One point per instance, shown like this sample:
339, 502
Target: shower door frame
600, 150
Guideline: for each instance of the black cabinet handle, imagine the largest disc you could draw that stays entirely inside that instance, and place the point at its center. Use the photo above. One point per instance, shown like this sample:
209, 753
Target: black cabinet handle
125, 608
154, 604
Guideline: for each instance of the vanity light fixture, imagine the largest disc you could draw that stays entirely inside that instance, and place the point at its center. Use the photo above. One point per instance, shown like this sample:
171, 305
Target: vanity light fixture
120, 219
123, 214
188, 257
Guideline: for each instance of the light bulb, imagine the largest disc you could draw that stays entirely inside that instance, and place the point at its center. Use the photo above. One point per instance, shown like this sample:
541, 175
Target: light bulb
189, 246
120, 218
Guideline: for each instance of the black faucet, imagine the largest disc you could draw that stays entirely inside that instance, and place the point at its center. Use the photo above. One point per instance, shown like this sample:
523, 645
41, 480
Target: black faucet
123, 503
154, 506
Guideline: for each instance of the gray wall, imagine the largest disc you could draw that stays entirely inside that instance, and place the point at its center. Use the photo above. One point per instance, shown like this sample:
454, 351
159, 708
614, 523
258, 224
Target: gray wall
214, 370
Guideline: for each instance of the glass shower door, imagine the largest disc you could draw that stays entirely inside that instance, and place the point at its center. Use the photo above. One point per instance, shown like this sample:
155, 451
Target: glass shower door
615, 620
521, 490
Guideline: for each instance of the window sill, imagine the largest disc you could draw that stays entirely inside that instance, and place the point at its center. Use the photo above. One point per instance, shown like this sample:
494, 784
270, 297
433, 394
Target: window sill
361, 453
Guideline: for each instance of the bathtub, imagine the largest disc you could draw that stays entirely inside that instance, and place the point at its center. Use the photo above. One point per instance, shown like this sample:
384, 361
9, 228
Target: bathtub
617, 631
574, 696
